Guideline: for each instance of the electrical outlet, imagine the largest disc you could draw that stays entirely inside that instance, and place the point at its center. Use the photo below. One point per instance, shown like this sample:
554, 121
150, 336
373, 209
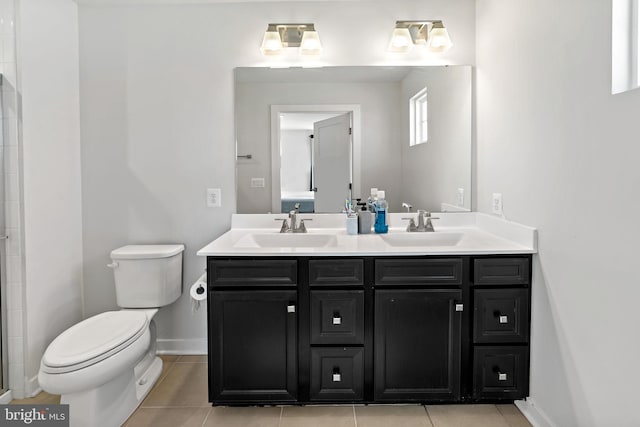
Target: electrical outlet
460, 197
214, 197
257, 182
496, 204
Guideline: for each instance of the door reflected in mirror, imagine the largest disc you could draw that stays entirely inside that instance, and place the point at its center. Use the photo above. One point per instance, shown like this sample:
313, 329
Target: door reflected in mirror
315, 159
319, 136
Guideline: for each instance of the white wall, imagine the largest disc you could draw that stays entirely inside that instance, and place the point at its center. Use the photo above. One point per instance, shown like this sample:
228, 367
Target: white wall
295, 169
432, 172
564, 154
157, 118
48, 77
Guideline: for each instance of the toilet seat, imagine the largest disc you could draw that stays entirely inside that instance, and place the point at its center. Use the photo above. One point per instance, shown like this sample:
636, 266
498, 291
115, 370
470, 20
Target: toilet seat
94, 340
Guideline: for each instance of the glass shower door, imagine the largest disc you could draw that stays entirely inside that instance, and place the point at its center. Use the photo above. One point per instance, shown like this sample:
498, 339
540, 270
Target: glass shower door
3, 238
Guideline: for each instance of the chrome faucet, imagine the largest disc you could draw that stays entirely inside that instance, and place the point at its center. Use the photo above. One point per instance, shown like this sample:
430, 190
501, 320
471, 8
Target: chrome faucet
292, 226
422, 225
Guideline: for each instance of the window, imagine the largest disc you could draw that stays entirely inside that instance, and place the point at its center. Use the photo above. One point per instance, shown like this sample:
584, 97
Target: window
418, 118
625, 48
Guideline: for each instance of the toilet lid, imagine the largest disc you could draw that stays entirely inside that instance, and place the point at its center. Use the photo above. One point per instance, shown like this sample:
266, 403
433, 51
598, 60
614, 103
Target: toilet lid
146, 251
95, 338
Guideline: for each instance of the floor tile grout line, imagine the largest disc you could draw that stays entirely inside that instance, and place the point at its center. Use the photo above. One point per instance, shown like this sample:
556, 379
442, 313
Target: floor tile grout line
160, 381
161, 378
280, 419
163, 374
428, 416
206, 418
504, 417
355, 419
174, 407
190, 363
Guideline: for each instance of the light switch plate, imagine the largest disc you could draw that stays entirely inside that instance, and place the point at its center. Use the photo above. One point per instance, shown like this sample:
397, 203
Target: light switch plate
460, 197
257, 182
214, 197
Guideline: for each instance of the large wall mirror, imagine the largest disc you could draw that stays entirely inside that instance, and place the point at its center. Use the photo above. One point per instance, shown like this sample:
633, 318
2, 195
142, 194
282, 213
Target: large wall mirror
317, 136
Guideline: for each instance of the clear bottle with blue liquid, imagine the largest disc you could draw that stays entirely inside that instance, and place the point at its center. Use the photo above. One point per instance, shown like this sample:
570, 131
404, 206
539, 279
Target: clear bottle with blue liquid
380, 226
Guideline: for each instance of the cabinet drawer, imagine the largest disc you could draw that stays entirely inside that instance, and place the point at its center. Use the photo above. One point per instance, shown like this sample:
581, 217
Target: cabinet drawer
337, 317
501, 315
252, 272
336, 374
501, 372
443, 271
336, 272
501, 271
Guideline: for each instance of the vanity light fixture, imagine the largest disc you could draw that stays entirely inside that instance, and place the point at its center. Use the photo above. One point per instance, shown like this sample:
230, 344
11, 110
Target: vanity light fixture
431, 33
271, 42
280, 36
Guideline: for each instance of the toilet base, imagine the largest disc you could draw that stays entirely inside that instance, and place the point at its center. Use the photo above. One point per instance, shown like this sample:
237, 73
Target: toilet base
113, 402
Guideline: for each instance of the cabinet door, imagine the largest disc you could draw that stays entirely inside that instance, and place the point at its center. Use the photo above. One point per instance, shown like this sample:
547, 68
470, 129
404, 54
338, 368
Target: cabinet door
417, 345
252, 346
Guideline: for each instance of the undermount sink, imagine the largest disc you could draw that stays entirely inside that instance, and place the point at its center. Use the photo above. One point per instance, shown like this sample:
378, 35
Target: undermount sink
286, 240
422, 239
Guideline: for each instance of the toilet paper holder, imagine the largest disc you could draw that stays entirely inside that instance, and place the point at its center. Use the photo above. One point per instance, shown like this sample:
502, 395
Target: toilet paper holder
198, 292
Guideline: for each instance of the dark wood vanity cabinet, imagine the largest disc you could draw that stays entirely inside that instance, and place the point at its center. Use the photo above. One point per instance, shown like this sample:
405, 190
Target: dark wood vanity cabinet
336, 329
253, 331
417, 345
368, 329
501, 323
417, 329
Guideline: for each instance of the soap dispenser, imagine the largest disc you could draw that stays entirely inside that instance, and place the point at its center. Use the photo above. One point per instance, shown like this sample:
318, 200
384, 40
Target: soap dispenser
365, 219
380, 225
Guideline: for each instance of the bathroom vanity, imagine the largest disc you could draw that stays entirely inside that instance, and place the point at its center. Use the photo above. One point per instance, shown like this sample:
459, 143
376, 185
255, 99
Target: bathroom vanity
419, 317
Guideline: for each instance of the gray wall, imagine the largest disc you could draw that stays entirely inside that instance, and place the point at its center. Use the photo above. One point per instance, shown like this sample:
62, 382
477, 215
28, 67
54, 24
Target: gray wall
564, 154
380, 156
432, 172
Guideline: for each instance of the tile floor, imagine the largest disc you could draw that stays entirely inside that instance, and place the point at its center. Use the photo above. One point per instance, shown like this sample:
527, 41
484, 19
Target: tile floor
179, 399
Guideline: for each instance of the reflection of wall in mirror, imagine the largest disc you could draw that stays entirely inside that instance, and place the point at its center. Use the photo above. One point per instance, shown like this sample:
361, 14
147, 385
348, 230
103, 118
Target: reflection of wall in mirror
295, 170
295, 155
380, 156
433, 172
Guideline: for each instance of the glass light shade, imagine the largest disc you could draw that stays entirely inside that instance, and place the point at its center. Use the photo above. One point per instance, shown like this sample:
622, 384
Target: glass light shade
439, 40
310, 43
400, 40
271, 43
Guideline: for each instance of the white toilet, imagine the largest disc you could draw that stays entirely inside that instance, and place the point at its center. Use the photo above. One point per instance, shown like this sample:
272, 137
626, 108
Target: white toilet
105, 365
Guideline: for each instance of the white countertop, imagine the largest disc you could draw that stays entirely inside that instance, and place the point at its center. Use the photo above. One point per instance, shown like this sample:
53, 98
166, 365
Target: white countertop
476, 234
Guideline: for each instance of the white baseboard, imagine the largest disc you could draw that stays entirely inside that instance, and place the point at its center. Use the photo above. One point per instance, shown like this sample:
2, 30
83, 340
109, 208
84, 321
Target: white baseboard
534, 414
180, 346
6, 398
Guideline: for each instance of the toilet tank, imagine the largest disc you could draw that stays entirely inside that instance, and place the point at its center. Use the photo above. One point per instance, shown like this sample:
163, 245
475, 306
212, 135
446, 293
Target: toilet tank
147, 276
